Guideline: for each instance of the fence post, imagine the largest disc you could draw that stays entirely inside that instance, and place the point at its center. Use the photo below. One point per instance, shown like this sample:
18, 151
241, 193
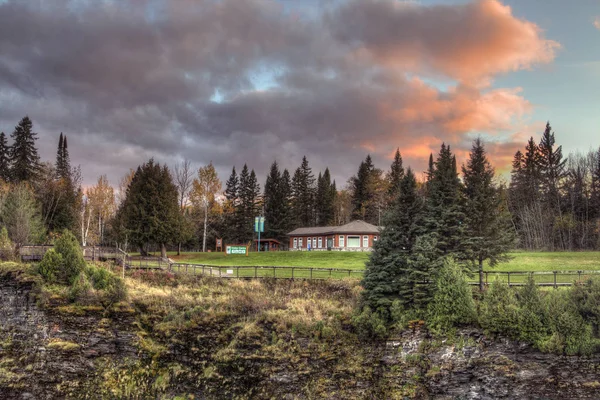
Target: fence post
508, 279
555, 286
330, 269
219, 271
238, 272
292, 272
255, 272
486, 278
579, 278
349, 272
274, 273
311, 274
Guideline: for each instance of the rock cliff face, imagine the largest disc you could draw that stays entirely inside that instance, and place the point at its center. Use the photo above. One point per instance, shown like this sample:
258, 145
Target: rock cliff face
54, 352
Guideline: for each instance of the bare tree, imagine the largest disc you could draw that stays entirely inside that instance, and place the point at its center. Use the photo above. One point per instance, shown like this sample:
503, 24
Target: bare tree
183, 180
184, 177
205, 189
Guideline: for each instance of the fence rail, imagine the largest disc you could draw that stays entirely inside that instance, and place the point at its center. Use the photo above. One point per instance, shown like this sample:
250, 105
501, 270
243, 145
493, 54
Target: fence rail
93, 253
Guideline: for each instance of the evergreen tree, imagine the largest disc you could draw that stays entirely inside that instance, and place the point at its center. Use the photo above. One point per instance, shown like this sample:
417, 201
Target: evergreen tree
395, 177
4, 159
551, 168
249, 193
303, 189
276, 196
368, 192
24, 158
324, 199
444, 207
489, 229
230, 208
286, 196
150, 211
387, 271
63, 163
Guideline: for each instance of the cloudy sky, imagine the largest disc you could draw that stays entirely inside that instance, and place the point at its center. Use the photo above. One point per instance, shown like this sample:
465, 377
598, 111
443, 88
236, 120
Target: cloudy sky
234, 82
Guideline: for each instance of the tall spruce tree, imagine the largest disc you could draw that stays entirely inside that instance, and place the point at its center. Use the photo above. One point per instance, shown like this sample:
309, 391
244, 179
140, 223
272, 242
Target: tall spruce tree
387, 276
230, 209
249, 193
63, 162
4, 158
324, 199
551, 168
276, 195
150, 211
368, 192
489, 227
444, 207
394, 177
303, 190
24, 158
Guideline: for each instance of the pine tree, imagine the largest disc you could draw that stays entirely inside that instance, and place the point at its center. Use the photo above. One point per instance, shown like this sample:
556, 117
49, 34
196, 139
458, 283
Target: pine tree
276, 195
303, 188
387, 271
324, 200
230, 208
395, 177
24, 158
63, 163
489, 229
150, 211
595, 186
368, 193
444, 207
551, 168
249, 193
4, 158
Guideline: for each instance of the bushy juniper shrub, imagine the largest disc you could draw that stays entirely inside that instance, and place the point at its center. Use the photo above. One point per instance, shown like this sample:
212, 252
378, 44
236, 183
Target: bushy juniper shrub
452, 303
533, 321
72, 258
586, 296
499, 311
50, 265
571, 334
369, 324
98, 285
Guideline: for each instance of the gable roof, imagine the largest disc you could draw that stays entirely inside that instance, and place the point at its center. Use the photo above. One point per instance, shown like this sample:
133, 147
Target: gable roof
357, 226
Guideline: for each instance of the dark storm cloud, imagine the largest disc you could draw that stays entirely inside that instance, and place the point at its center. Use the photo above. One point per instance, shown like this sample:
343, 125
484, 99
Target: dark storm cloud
128, 80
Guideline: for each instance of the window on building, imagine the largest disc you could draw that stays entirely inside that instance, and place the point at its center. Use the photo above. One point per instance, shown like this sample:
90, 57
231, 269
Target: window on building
353, 241
341, 239
295, 243
365, 241
320, 242
300, 243
314, 243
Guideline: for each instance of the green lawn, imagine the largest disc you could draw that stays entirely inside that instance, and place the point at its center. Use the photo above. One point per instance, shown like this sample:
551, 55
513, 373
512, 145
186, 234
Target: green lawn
326, 264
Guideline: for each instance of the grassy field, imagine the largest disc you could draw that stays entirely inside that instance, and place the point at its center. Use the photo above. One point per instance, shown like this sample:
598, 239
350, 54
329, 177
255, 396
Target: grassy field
326, 265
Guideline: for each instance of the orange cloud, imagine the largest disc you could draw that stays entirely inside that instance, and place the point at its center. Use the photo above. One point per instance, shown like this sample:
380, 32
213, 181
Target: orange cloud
597, 22
470, 42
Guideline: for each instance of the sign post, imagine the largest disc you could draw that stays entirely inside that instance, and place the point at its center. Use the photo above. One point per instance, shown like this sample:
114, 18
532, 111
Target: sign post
259, 226
219, 246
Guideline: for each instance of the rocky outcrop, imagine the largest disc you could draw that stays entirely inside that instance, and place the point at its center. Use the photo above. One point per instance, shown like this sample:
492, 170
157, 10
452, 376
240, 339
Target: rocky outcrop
45, 354
57, 350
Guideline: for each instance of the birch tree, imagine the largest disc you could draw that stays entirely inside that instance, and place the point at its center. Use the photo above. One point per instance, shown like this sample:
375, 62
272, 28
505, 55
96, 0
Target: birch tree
205, 188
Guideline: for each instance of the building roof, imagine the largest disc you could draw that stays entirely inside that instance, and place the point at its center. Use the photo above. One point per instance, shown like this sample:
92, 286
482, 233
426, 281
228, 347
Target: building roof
357, 226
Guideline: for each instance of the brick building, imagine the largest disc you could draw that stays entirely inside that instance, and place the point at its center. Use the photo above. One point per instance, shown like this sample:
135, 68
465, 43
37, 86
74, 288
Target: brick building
355, 236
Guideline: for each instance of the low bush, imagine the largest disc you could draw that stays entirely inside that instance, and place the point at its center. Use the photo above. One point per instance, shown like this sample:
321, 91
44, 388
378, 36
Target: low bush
98, 285
369, 324
499, 311
72, 258
50, 265
533, 321
452, 303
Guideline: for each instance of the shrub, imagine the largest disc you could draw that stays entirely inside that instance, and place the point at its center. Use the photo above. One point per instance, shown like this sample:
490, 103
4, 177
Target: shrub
97, 284
533, 322
452, 303
369, 324
50, 265
499, 311
73, 262
586, 297
6, 246
570, 332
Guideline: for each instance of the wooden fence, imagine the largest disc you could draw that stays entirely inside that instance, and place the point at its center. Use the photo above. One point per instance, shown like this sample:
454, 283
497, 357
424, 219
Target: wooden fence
93, 253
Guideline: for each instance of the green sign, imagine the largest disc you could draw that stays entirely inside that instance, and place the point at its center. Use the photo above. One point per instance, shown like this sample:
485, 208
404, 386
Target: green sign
236, 250
259, 224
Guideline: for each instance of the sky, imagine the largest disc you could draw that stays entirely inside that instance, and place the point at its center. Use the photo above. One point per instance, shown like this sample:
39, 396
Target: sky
234, 82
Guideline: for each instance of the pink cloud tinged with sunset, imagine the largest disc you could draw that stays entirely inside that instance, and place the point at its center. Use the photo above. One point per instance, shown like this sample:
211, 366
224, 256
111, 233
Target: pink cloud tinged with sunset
597, 22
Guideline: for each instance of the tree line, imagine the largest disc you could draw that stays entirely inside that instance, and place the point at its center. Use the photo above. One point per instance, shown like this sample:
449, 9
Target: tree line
552, 202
